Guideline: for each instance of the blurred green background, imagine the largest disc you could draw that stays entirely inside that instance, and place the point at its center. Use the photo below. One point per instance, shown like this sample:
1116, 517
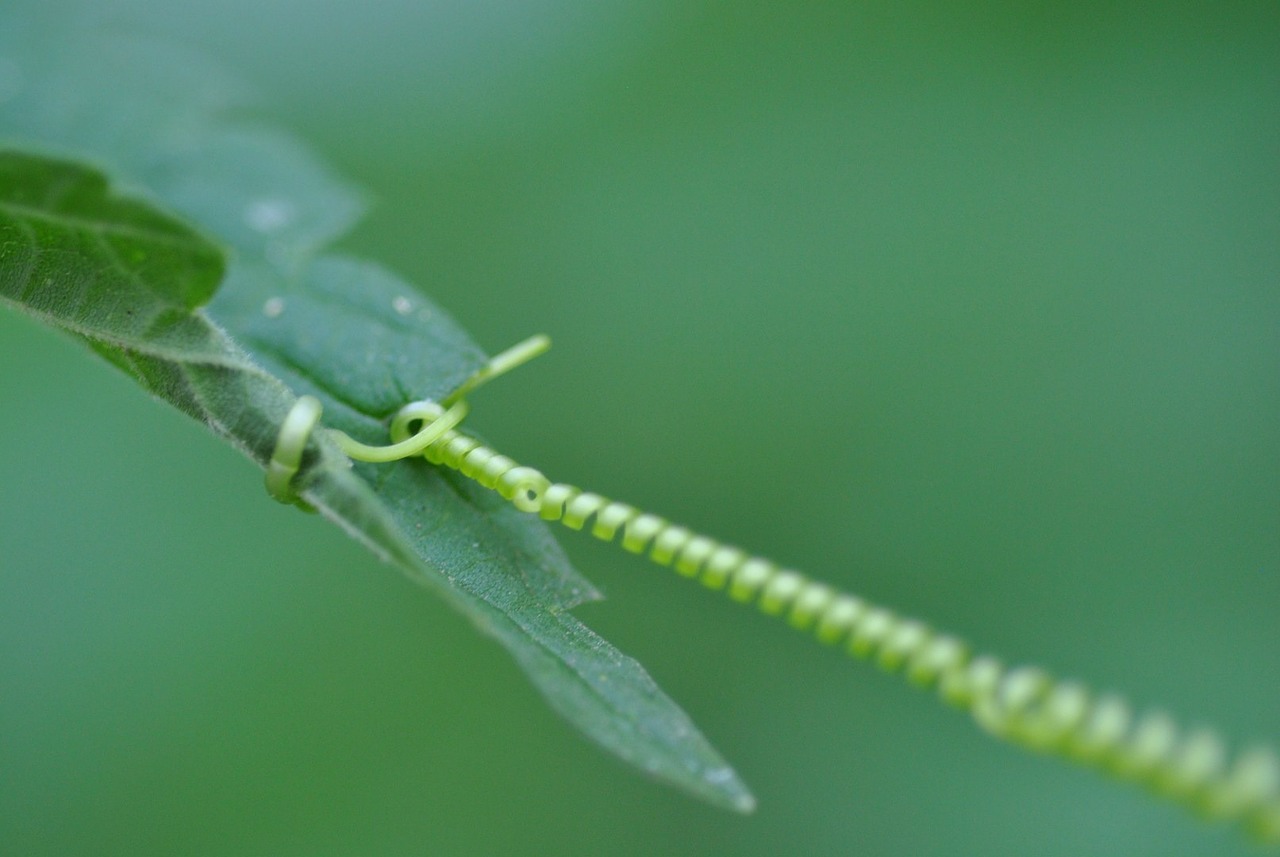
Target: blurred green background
973, 309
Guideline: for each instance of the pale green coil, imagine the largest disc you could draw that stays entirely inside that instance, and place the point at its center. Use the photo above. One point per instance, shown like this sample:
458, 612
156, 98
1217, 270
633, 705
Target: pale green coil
1024, 705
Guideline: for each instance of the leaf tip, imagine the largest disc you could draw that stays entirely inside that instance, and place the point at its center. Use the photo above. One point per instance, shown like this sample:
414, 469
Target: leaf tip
728, 790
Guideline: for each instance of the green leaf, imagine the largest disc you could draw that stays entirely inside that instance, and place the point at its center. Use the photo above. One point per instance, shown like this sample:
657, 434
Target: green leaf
92, 261
287, 321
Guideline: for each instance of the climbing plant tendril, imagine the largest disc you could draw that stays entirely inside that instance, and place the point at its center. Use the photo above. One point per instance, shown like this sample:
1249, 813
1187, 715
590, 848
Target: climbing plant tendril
227, 340
1023, 705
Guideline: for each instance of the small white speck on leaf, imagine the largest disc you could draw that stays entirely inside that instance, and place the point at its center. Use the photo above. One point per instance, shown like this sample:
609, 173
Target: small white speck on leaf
402, 305
268, 214
273, 307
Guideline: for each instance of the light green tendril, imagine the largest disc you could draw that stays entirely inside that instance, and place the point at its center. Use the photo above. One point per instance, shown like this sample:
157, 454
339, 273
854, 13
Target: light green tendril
406, 448
295, 432
1023, 705
290, 444
513, 358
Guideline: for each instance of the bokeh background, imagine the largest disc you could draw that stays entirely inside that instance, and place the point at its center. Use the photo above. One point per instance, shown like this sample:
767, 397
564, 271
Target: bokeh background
973, 309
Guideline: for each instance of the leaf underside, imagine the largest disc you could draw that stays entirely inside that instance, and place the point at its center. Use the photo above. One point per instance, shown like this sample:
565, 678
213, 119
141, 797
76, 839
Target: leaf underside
232, 343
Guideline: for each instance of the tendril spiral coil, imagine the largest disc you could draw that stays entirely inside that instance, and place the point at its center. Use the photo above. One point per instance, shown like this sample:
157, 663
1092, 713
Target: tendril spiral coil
1023, 705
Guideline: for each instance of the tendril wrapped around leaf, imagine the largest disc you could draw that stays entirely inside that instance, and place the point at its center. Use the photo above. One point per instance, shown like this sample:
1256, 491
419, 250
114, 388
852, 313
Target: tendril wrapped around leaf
1023, 705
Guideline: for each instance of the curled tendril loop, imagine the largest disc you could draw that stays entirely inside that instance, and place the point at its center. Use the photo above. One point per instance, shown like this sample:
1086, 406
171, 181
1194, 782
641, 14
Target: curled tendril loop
290, 444
1023, 705
435, 420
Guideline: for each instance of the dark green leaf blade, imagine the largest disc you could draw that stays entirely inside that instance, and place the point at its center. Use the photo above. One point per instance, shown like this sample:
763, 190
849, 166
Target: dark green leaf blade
397, 346
515, 588
365, 343
94, 261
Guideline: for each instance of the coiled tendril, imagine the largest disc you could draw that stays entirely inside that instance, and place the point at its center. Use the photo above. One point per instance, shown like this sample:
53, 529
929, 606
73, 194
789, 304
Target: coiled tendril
1023, 705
